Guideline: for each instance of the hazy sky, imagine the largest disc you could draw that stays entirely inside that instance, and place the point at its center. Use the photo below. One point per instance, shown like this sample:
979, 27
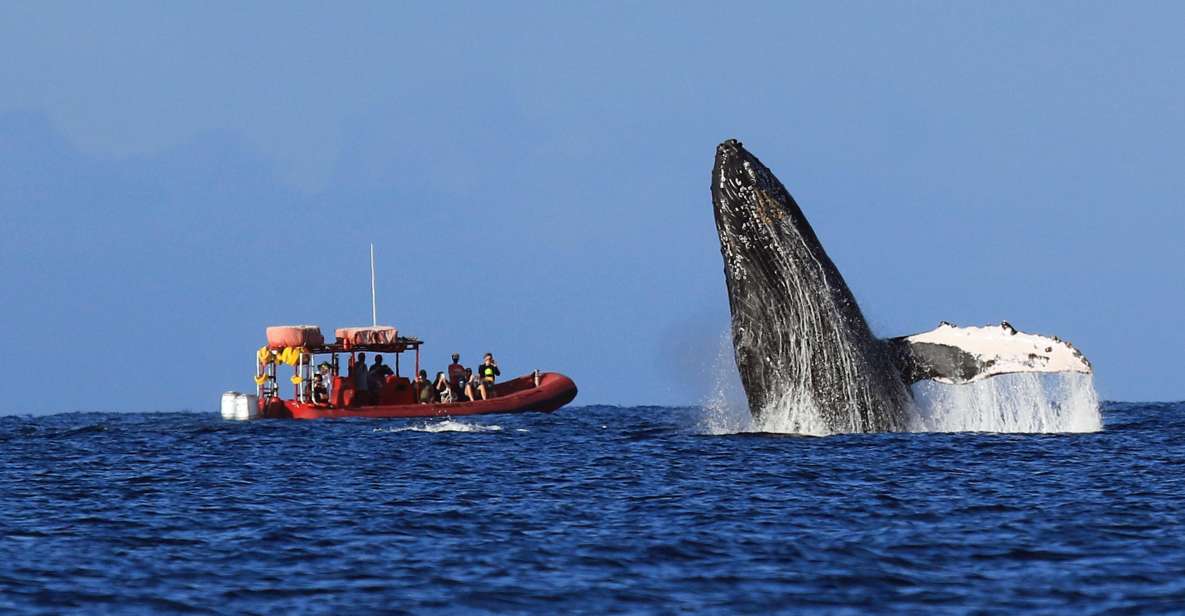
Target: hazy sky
536, 180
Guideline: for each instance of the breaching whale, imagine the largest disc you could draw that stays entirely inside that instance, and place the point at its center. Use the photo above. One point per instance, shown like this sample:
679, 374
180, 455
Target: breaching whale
798, 332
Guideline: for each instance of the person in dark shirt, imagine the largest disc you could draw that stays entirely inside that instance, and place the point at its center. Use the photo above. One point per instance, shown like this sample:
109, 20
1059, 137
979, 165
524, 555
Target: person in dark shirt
320, 392
358, 372
488, 371
377, 376
425, 392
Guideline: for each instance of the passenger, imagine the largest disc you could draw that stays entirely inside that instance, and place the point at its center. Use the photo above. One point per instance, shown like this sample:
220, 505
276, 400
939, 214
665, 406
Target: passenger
358, 372
377, 375
320, 393
456, 375
425, 392
489, 371
472, 385
444, 391
325, 371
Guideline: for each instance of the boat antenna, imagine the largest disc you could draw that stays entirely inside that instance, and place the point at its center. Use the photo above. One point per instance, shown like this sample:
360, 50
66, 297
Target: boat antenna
374, 313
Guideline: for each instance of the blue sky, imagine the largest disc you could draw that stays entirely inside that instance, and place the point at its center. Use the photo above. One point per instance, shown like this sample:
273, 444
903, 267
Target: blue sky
536, 179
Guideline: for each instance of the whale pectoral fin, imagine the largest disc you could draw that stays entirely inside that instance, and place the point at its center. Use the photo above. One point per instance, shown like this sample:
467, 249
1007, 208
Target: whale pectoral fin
950, 354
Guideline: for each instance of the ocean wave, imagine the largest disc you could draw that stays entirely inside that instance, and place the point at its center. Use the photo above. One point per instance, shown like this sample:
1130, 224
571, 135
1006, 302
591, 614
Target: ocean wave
161, 514
447, 425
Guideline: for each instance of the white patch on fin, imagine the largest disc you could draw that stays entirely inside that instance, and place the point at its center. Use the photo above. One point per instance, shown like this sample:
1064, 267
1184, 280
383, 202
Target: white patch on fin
1002, 349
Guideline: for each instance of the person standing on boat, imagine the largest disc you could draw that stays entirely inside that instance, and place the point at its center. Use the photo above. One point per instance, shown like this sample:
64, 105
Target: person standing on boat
488, 371
456, 375
358, 372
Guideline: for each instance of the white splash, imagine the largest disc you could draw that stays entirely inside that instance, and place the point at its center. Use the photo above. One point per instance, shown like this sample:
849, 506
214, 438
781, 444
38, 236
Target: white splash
794, 413
1022, 402
447, 425
1010, 403
725, 410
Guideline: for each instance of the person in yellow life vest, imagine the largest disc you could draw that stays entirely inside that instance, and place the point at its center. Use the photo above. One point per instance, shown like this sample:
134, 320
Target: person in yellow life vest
488, 371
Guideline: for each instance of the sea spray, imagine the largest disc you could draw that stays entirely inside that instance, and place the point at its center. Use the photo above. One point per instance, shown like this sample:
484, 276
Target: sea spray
796, 412
446, 425
725, 410
1024, 402
793, 410
1011, 403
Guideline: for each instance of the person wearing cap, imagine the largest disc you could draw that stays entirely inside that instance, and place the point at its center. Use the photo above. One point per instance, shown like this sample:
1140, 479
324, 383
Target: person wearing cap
456, 375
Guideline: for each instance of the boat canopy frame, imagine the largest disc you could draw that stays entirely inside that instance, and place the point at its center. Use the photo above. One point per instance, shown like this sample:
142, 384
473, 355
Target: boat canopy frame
303, 370
401, 345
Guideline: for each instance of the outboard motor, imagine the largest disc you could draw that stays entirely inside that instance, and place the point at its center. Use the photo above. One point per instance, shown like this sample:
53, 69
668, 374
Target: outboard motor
239, 407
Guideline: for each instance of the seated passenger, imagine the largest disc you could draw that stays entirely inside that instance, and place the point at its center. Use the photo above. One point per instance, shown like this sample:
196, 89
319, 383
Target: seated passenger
489, 370
425, 392
444, 391
472, 386
377, 375
325, 371
320, 392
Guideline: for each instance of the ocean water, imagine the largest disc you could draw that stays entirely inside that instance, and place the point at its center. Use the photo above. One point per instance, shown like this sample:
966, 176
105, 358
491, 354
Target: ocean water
589, 510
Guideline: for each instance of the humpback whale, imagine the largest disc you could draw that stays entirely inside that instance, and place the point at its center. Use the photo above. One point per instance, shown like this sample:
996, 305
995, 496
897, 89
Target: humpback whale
800, 337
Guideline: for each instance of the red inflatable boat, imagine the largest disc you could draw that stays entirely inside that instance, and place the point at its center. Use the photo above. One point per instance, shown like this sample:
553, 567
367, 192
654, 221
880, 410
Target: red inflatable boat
518, 395
320, 390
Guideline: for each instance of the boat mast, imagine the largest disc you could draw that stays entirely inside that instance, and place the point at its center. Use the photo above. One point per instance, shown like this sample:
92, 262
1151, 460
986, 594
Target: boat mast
373, 305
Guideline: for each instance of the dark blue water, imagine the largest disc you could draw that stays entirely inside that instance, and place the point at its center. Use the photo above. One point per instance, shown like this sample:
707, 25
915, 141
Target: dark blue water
590, 510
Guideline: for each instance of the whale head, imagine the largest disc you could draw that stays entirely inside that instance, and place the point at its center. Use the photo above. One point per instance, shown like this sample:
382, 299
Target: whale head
758, 221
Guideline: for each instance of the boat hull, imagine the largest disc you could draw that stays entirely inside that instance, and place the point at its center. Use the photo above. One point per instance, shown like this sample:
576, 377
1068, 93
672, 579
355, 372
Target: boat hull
519, 395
